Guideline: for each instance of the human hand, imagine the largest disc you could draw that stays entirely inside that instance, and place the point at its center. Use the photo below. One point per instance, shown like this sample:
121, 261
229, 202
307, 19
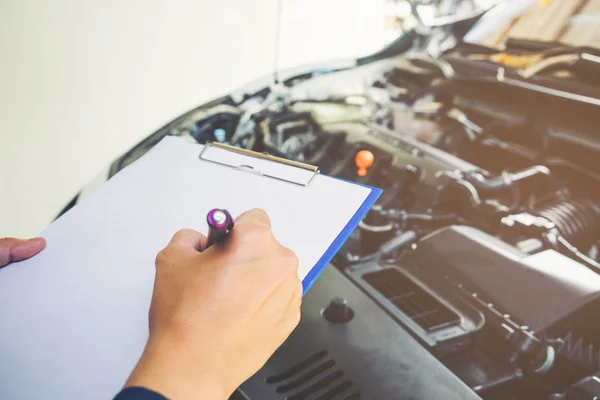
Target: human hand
217, 316
12, 249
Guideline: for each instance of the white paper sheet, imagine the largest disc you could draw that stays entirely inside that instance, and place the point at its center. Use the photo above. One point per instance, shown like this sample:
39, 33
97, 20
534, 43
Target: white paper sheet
73, 319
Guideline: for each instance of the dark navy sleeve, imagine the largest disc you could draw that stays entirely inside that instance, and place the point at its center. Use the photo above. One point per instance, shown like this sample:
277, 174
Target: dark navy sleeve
138, 393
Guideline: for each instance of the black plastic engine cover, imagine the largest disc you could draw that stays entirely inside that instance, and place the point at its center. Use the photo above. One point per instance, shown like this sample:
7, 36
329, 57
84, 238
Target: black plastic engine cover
370, 357
537, 290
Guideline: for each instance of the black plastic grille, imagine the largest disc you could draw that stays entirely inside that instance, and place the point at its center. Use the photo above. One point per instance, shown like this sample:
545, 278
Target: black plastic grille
420, 306
314, 378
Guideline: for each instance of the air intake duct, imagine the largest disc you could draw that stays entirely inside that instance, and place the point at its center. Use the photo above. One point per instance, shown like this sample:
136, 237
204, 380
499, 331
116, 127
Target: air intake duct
577, 221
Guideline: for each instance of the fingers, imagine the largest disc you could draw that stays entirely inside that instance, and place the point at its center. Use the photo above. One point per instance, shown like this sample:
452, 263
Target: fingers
292, 291
292, 287
287, 294
256, 216
189, 238
12, 249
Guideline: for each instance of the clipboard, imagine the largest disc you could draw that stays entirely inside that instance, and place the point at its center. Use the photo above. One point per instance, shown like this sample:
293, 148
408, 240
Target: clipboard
312, 173
82, 320
261, 156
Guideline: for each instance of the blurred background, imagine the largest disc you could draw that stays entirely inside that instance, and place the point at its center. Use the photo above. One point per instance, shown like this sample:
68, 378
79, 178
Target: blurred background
83, 81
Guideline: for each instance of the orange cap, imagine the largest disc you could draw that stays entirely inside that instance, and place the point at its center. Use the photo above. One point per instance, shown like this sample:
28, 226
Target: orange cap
364, 160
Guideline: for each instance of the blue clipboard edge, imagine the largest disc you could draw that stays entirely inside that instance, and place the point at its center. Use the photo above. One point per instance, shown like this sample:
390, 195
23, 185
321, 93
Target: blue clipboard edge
335, 246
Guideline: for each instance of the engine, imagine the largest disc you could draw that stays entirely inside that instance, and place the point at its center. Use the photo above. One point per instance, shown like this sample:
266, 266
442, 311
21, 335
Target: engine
477, 272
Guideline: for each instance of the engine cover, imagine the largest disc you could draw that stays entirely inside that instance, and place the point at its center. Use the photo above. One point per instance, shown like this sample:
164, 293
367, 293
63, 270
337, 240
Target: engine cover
537, 290
368, 357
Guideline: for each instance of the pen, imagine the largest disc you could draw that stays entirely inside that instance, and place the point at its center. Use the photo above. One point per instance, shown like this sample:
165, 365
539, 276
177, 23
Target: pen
219, 225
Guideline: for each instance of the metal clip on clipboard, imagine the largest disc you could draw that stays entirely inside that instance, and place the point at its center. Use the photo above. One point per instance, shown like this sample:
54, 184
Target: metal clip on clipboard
261, 156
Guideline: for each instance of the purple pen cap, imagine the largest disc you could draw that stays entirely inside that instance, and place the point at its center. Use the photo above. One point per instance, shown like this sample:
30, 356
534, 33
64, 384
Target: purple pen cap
219, 219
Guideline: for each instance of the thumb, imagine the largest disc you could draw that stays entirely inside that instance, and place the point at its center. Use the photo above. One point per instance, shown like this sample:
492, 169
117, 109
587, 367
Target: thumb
12, 249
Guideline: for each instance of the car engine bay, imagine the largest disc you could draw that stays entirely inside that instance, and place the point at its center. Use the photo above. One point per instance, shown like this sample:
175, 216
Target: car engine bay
477, 273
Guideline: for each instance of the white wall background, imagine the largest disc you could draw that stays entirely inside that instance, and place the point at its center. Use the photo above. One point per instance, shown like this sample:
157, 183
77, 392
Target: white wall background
82, 81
